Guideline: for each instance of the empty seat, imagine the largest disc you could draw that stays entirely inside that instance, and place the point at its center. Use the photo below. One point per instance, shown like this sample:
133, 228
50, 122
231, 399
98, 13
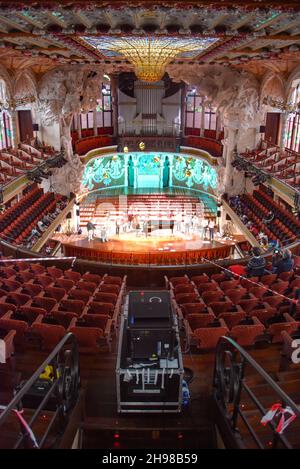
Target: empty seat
8, 339
21, 327
94, 278
232, 319
55, 272
73, 306
5, 308
206, 338
110, 288
72, 275
248, 304
199, 320
17, 299
64, 283
178, 280
219, 307
89, 338
42, 302
78, 294
205, 287
185, 288
182, 298
64, 317
112, 280
289, 326
31, 289
50, 334
235, 295
197, 279
229, 284
212, 296
101, 308
54, 292
106, 297
31, 312
246, 335
193, 308
268, 279
90, 286
44, 280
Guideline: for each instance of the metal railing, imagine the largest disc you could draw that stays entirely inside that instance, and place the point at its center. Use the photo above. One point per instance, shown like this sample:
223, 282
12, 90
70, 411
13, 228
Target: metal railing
239, 404
60, 396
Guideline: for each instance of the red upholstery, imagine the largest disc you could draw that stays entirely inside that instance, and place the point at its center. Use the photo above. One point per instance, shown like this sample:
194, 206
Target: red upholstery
232, 319
178, 280
207, 337
32, 313
182, 298
110, 288
45, 303
196, 321
50, 334
112, 280
97, 320
54, 292
245, 335
212, 296
192, 308
73, 306
206, 287
219, 307
88, 338
44, 280
64, 317
106, 298
229, 284
70, 274
78, 294
6, 307
90, 286
32, 289
21, 327
55, 272
9, 344
248, 305
289, 326
17, 299
87, 277
101, 308
235, 295
200, 279
185, 288
64, 283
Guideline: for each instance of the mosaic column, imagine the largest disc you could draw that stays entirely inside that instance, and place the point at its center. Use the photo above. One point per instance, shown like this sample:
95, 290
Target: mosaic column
15, 137
95, 121
183, 109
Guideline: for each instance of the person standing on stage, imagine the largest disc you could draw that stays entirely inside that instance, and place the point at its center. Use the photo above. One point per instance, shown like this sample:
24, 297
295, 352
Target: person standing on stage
204, 227
178, 221
117, 227
187, 221
211, 226
104, 234
90, 229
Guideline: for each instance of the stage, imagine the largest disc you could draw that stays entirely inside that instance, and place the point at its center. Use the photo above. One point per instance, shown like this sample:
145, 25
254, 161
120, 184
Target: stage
133, 249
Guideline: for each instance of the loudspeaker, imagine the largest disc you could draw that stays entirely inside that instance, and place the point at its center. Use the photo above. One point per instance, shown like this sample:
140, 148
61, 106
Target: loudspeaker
218, 213
69, 215
35, 127
262, 129
77, 213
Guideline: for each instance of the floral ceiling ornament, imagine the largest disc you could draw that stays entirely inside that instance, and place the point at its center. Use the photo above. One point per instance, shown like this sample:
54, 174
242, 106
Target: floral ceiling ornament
149, 55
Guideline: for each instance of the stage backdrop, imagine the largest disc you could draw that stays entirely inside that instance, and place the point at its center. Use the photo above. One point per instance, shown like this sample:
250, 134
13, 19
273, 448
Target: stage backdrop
150, 170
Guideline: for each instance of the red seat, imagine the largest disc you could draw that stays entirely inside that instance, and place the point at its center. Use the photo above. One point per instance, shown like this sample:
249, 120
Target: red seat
72, 275
262, 314
248, 304
235, 295
219, 307
106, 298
273, 300
37, 268
54, 292
6, 307
64, 283
178, 280
50, 334
98, 320
9, 344
197, 279
90, 286
212, 296
73, 306
246, 335
94, 278
205, 287
110, 288
229, 284
21, 327
193, 308
186, 298
258, 292
232, 319
31, 289
32, 313
78, 294
42, 302
112, 280
55, 272
11, 285
289, 326
268, 279
64, 318
88, 338
199, 320
101, 308
17, 299
184, 288
221, 277
206, 338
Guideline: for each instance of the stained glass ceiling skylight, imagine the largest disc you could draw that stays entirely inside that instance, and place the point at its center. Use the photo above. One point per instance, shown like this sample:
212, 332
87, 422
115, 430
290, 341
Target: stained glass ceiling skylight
149, 55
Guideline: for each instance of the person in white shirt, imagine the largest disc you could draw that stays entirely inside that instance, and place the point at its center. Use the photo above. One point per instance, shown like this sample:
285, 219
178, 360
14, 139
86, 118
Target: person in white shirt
211, 226
204, 226
41, 226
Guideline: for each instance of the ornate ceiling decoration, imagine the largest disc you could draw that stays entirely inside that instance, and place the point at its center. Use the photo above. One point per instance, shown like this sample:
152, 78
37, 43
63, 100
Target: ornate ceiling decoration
149, 55
47, 34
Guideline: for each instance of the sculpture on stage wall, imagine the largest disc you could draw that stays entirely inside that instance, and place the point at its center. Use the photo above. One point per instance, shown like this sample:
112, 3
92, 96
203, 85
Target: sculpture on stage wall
234, 93
62, 93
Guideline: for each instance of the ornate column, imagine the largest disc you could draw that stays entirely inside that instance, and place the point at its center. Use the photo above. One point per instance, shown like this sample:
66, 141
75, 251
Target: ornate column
95, 121
114, 79
202, 123
171, 159
78, 125
283, 121
229, 142
14, 128
183, 108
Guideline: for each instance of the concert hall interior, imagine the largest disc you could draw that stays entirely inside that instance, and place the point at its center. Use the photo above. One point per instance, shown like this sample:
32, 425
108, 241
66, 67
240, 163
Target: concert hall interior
149, 224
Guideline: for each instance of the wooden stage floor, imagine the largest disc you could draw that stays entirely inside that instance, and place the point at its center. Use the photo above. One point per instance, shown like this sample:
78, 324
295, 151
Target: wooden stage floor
132, 249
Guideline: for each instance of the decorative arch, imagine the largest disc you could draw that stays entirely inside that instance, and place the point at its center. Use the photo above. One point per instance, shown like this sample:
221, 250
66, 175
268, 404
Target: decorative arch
25, 83
273, 84
8, 80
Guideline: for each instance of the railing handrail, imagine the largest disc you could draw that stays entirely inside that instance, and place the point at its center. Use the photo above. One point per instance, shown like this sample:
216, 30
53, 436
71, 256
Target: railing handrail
262, 372
14, 402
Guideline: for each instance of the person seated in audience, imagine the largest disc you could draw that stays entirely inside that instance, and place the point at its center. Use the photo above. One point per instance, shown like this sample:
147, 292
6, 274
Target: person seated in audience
47, 220
41, 227
263, 239
269, 217
282, 261
256, 265
254, 230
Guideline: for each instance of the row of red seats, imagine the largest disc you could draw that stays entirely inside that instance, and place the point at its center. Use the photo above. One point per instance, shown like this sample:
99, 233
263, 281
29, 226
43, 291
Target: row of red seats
201, 299
51, 301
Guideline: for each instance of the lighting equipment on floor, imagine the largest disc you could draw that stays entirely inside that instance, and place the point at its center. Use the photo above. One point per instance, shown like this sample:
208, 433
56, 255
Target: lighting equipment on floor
149, 370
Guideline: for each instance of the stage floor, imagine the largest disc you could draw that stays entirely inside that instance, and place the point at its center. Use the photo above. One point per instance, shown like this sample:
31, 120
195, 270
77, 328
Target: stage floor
132, 249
